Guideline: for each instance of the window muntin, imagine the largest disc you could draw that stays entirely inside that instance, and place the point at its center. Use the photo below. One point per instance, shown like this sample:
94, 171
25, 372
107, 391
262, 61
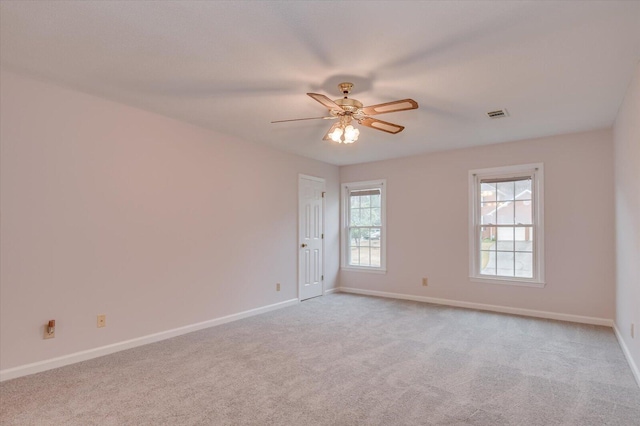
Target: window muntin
506, 224
363, 233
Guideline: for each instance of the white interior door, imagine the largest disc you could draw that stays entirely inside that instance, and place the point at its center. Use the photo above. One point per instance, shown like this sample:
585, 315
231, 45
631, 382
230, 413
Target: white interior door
310, 236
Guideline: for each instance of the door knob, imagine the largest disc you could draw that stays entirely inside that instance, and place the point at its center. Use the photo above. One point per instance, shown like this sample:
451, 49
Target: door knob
303, 245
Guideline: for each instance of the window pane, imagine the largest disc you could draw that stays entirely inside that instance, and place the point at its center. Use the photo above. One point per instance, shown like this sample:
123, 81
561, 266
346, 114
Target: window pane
376, 219
355, 202
488, 238
524, 265
365, 201
354, 236
488, 213
487, 262
505, 239
365, 260
505, 213
375, 257
375, 200
365, 217
524, 239
374, 237
355, 256
364, 237
355, 217
506, 190
523, 212
505, 264
523, 189
487, 192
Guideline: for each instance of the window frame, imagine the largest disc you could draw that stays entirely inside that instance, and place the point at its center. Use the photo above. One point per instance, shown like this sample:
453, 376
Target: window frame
536, 171
380, 184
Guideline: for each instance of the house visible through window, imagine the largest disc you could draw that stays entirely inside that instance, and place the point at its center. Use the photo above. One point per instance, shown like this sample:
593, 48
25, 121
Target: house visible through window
363, 233
506, 224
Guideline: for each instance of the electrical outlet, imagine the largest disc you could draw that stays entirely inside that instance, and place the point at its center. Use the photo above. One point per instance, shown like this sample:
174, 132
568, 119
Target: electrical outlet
277, 286
425, 282
632, 331
102, 321
50, 330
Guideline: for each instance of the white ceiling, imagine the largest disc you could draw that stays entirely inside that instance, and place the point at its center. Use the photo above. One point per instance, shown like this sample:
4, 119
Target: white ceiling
558, 67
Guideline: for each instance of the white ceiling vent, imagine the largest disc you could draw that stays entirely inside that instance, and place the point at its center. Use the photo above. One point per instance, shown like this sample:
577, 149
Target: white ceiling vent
499, 113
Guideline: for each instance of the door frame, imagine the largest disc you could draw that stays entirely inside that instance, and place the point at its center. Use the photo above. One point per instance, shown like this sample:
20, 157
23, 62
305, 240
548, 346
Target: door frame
324, 191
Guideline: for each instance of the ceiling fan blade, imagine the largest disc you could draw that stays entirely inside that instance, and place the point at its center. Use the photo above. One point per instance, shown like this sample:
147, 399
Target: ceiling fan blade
301, 119
326, 136
394, 106
328, 103
381, 125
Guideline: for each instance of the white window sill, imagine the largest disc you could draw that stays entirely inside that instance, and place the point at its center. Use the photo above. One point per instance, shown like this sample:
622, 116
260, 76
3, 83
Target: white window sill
368, 270
509, 281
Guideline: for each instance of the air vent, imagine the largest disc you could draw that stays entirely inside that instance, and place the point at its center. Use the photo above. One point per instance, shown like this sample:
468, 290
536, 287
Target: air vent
499, 113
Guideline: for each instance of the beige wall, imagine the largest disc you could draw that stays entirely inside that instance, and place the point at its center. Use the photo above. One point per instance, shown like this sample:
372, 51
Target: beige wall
107, 209
627, 191
427, 222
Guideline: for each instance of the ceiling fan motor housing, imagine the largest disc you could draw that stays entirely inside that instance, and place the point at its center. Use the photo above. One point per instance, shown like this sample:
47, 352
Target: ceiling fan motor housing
349, 105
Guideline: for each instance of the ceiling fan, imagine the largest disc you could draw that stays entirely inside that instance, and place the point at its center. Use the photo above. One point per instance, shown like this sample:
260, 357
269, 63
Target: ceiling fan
347, 110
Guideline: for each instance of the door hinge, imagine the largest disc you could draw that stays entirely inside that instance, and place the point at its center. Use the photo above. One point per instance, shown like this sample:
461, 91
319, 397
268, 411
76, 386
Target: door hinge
322, 278
323, 236
323, 194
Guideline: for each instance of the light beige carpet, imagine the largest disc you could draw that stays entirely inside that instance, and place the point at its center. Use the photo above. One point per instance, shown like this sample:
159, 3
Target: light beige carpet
346, 360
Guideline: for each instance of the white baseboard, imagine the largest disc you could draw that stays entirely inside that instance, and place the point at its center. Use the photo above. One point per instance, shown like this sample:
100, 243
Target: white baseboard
483, 307
37, 367
331, 290
627, 354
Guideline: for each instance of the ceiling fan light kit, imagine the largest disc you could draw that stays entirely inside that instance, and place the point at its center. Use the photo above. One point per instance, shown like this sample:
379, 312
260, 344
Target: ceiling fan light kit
348, 110
343, 133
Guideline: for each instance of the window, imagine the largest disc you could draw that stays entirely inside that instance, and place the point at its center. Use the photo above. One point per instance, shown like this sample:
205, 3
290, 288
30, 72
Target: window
363, 232
506, 232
